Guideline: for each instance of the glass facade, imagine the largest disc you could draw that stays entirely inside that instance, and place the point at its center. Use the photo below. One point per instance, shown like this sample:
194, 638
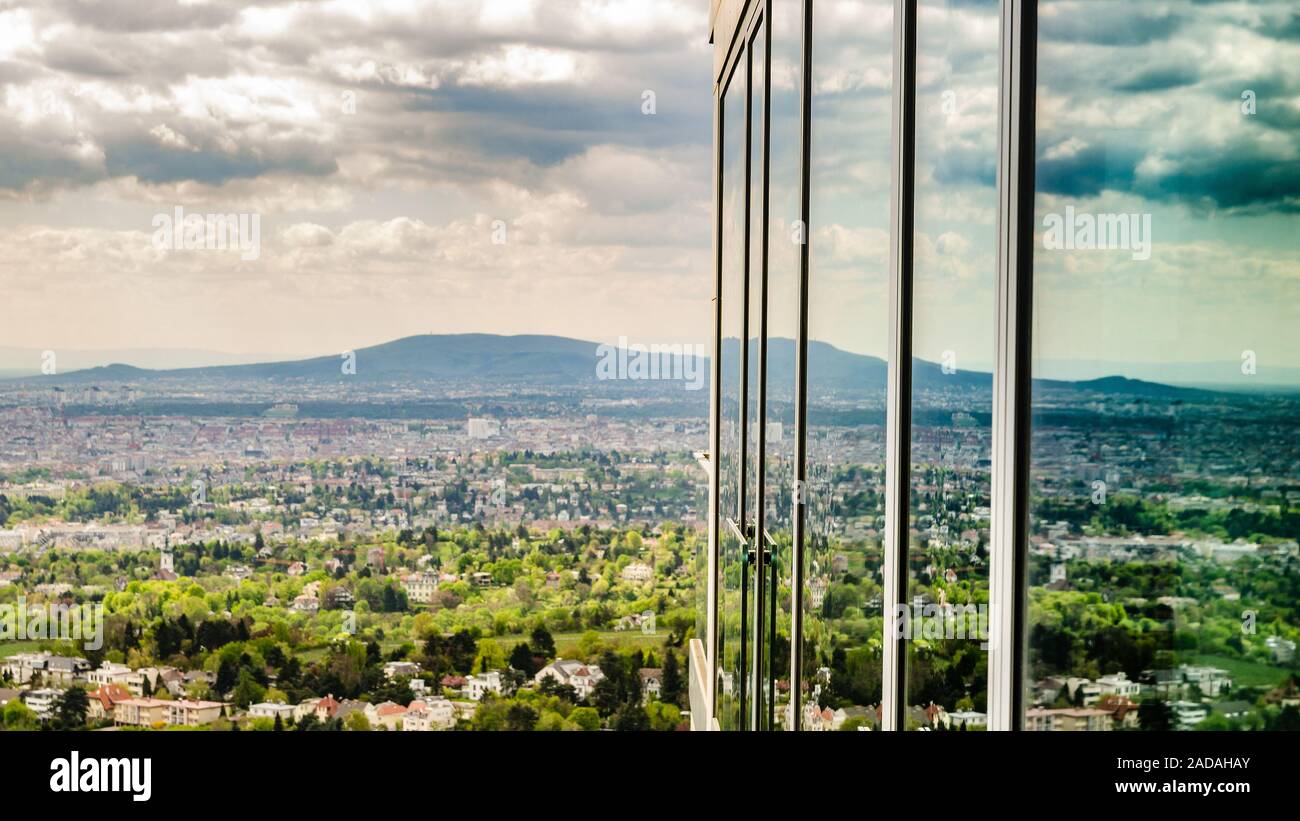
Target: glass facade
1005, 419
1163, 580
848, 317
954, 275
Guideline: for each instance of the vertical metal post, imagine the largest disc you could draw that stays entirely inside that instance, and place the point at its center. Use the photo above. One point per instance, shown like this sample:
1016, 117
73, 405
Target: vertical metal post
742, 513
898, 425
801, 384
1012, 364
715, 406
759, 423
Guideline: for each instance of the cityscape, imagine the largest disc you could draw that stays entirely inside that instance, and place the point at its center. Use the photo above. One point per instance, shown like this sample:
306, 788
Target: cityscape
315, 554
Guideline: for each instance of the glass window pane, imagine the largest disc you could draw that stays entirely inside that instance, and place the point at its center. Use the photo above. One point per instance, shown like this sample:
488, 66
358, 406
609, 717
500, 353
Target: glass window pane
848, 314
954, 278
754, 416
729, 445
783, 243
1165, 481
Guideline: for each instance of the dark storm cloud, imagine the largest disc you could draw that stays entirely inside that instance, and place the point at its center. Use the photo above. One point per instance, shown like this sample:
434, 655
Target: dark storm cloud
1109, 24
1285, 26
441, 89
1245, 179
1087, 172
25, 157
552, 124
1279, 114
966, 166
145, 159
1159, 78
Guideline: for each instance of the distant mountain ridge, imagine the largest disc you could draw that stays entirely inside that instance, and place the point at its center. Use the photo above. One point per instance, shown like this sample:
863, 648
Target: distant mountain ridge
536, 358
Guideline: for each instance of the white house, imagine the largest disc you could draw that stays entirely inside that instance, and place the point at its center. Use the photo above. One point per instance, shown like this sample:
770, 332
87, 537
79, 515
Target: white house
41, 702
306, 604
1119, 684
1187, 714
271, 710
651, 682
110, 672
478, 686
968, 718
1210, 680
1283, 650
638, 572
420, 587
583, 678
427, 715
401, 669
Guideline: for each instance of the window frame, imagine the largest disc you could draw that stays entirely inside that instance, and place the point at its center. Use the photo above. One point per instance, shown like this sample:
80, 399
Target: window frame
737, 20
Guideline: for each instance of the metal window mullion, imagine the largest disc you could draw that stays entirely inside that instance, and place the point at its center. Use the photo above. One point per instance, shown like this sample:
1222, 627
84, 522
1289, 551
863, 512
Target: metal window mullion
742, 473
898, 424
1008, 534
715, 407
726, 76
760, 370
801, 384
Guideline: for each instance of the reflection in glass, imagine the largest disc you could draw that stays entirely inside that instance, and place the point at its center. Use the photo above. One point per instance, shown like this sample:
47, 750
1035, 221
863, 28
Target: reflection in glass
784, 235
954, 276
1163, 567
756, 612
847, 327
729, 367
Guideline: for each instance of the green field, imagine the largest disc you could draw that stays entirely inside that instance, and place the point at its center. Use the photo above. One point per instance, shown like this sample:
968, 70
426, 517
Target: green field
13, 648
1244, 673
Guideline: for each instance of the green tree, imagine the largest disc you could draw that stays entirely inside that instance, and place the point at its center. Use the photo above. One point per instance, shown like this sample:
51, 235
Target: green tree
521, 717
672, 689
1156, 715
585, 717
522, 659
248, 691
70, 709
18, 716
631, 718
542, 643
357, 722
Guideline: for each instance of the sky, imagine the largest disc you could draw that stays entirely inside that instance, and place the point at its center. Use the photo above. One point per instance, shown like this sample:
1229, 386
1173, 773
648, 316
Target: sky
1140, 112
544, 167
501, 166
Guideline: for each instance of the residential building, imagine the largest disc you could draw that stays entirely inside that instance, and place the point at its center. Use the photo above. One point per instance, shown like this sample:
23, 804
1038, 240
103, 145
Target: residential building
480, 685
1187, 714
104, 701
42, 701
651, 682
401, 669
1070, 719
142, 712
420, 587
186, 713
286, 712
583, 678
638, 572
